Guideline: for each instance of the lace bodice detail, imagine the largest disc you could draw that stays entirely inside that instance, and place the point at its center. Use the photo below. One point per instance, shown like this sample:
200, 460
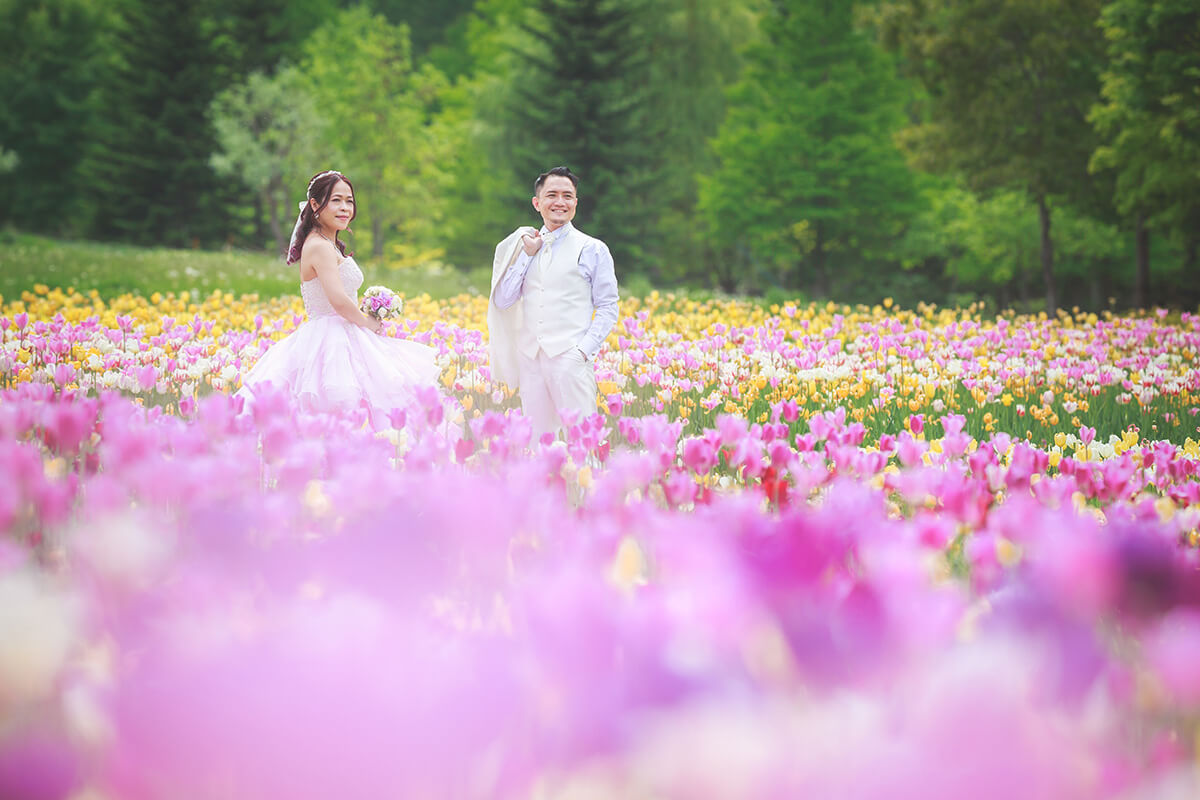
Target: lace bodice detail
316, 302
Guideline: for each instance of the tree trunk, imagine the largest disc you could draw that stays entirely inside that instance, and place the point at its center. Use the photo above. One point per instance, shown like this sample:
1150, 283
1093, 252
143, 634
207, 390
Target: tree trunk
259, 233
281, 242
1047, 254
726, 282
728, 265
819, 266
1141, 277
1189, 266
377, 236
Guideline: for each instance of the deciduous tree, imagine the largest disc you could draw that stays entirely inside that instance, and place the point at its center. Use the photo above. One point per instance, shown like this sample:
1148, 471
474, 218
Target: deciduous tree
1150, 122
381, 131
1009, 83
269, 131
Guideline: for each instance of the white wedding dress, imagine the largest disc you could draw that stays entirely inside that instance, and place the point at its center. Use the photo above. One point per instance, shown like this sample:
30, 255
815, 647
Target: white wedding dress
331, 364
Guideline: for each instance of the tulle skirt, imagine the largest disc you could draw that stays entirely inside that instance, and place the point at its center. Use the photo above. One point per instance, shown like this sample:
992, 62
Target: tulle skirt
329, 364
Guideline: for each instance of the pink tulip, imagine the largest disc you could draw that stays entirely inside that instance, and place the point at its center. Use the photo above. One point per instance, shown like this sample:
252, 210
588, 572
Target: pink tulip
64, 374
463, 449
910, 451
69, 426
699, 455
37, 766
147, 377
679, 488
485, 626
953, 424
1173, 651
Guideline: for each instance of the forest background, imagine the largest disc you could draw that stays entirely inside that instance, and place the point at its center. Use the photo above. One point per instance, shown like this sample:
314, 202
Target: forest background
1023, 153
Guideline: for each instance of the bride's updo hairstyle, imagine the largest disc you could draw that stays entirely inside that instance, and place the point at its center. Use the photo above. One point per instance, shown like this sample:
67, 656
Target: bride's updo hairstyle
319, 188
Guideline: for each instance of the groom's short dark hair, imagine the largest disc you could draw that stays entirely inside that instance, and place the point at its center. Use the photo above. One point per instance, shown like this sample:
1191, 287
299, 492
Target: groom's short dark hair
564, 172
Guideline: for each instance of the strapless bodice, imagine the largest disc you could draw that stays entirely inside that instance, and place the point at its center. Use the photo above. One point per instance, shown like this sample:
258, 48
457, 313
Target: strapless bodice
316, 302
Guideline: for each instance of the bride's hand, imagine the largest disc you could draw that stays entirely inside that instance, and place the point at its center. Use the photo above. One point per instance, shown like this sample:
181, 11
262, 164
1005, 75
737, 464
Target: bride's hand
376, 325
532, 244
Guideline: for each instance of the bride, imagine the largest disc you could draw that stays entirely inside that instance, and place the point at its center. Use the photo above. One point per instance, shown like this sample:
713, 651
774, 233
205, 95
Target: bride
339, 358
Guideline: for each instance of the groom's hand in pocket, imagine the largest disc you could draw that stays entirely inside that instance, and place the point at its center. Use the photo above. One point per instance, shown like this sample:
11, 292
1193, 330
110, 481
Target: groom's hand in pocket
532, 244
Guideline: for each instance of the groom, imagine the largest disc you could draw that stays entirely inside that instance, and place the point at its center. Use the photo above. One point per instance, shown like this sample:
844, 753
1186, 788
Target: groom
555, 296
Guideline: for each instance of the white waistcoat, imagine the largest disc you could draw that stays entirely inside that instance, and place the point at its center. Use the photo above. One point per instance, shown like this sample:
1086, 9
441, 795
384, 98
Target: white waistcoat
557, 308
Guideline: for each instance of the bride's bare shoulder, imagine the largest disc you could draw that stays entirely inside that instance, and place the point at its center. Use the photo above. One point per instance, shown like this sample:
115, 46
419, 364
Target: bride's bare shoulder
319, 254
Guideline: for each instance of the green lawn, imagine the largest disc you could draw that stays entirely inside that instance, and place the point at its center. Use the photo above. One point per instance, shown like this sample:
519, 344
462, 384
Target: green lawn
114, 270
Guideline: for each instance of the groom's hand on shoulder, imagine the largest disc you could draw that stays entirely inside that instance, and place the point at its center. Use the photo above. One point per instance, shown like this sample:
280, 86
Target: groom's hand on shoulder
532, 244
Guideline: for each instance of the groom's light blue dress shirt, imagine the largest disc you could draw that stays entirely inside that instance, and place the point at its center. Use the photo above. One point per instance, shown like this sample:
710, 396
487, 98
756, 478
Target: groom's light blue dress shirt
595, 266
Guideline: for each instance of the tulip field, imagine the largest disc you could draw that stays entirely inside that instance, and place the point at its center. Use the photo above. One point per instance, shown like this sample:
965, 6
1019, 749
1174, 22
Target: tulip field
802, 551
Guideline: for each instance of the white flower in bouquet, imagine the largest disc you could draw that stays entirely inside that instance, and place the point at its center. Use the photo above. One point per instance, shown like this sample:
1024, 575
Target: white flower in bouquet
381, 303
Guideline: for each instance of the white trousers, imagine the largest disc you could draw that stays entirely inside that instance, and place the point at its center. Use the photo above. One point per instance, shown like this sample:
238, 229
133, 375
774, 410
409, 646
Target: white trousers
550, 384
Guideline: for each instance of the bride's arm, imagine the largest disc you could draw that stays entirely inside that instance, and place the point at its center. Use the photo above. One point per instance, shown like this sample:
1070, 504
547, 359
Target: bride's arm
325, 260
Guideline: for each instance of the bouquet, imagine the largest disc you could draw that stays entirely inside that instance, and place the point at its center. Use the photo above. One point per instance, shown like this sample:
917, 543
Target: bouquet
381, 303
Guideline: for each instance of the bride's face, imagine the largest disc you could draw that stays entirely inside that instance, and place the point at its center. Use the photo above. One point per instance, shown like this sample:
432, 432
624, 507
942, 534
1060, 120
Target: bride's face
338, 212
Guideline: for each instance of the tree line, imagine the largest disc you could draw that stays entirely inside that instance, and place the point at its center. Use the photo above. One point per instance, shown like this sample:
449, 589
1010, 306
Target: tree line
1016, 151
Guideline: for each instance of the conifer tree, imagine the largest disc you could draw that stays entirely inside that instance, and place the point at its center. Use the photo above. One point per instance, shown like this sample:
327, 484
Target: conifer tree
581, 103
48, 57
147, 164
809, 182
259, 35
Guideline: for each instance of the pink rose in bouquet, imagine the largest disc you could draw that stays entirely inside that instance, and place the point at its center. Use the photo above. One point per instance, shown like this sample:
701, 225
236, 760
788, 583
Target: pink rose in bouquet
381, 303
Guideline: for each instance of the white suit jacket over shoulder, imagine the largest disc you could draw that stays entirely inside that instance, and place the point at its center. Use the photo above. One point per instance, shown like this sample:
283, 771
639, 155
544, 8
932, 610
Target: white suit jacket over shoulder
504, 324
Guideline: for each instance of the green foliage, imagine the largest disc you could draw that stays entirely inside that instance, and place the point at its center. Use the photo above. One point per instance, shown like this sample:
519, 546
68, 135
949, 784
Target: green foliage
1009, 86
198, 124
483, 201
1150, 112
581, 101
268, 130
384, 129
147, 164
427, 22
1087, 246
1009, 83
991, 241
49, 53
474, 184
145, 173
257, 35
981, 240
809, 181
669, 107
697, 47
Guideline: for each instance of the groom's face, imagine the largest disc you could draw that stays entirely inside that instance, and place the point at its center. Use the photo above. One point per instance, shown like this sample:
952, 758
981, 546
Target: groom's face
556, 201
